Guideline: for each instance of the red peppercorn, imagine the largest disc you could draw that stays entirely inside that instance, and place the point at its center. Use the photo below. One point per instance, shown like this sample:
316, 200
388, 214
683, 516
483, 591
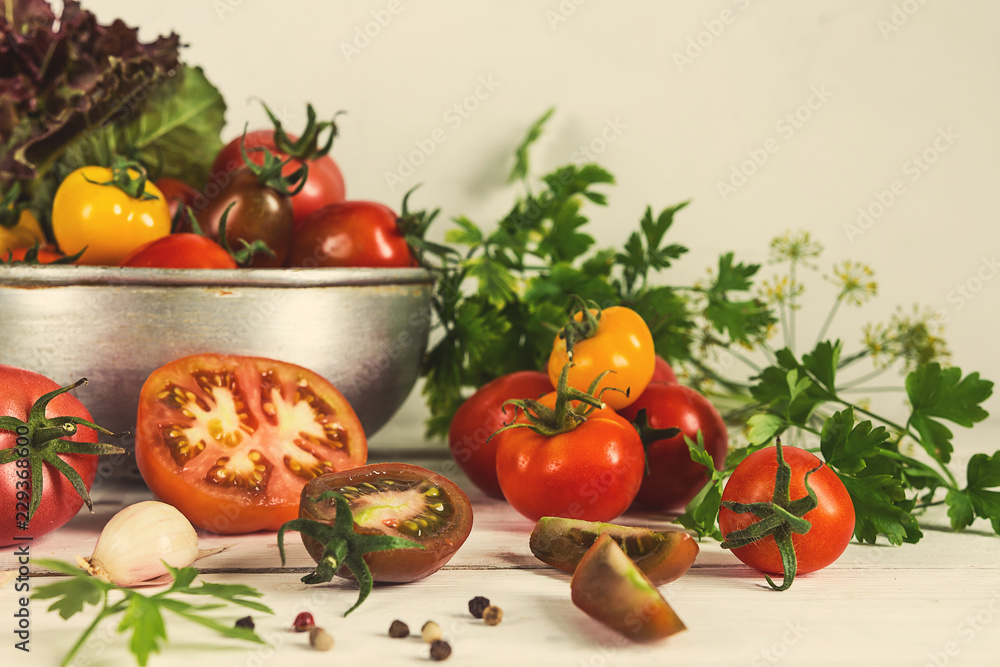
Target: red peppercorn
304, 622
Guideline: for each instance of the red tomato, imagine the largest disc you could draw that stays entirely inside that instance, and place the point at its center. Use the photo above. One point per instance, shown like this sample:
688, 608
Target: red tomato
673, 478
479, 417
352, 233
324, 183
230, 441
400, 500
19, 389
832, 519
46, 255
592, 472
181, 251
178, 195
662, 371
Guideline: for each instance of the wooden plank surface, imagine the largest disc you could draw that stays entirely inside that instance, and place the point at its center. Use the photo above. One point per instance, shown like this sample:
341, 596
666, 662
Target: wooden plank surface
935, 603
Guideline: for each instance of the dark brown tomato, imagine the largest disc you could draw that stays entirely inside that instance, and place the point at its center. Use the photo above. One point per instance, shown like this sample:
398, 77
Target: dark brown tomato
258, 212
397, 499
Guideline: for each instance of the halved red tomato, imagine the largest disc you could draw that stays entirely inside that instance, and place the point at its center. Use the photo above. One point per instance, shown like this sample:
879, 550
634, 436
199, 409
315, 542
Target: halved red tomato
231, 441
397, 499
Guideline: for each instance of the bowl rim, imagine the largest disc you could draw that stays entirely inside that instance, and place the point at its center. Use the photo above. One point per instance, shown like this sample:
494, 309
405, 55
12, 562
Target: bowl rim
71, 275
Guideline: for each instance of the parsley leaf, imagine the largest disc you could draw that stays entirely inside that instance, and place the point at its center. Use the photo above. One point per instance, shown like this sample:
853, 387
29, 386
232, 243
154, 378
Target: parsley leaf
976, 500
881, 508
702, 511
943, 393
846, 446
142, 615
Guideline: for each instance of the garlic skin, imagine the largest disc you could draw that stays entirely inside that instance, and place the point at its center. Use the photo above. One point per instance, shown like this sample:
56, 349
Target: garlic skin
137, 541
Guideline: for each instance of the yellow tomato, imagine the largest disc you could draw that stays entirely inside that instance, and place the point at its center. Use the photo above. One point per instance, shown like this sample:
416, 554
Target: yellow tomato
24, 234
88, 211
621, 343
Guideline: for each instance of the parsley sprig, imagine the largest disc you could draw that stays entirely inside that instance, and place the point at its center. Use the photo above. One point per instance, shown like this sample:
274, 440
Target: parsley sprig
142, 615
503, 290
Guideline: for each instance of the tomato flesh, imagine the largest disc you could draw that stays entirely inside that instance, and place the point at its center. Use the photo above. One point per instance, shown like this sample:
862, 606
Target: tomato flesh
397, 499
231, 441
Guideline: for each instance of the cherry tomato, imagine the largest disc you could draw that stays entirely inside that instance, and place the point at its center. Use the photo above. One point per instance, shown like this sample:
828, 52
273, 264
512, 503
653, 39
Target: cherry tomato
673, 478
621, 343
46, 255
24, 234
481, 415
258, 212
230, 441
352, 233
592, 472
662, 371
832, 519
324, 183
400, 500
103, 218
19, 389
179, 195
181, 251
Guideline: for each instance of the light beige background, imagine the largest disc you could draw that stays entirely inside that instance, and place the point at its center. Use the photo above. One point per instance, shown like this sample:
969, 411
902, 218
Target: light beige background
889, 106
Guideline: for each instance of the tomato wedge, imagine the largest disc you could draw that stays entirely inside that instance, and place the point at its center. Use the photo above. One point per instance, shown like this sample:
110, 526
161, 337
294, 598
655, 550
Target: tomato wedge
231, 441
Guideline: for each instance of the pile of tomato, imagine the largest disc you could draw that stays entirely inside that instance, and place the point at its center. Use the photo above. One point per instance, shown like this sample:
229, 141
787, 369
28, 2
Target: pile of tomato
280, 201
622, 454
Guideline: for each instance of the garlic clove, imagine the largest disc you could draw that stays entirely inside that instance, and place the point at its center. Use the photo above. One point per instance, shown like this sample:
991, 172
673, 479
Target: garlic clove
138, 540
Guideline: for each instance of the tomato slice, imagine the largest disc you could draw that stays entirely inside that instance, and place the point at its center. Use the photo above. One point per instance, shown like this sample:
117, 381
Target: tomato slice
397, 499
231, 441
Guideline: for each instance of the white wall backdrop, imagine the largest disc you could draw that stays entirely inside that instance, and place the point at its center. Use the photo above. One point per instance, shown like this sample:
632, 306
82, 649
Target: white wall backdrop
770, 116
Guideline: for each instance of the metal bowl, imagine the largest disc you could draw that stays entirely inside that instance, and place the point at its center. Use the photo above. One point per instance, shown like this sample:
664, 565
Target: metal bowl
365, 330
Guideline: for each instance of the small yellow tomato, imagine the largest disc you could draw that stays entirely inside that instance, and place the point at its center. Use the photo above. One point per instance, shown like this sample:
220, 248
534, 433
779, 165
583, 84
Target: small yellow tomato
24, 234
621, 342
91, 212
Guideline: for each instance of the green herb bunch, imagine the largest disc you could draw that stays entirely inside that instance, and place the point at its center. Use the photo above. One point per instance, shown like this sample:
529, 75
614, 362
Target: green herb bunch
502, 293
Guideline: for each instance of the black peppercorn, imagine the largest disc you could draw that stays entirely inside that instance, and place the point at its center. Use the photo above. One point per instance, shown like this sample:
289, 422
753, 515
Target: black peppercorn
398, 630
440, 649
477, 605
245, 622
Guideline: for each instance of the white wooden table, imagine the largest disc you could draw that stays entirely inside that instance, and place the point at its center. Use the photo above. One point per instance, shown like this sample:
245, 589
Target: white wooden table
935, 603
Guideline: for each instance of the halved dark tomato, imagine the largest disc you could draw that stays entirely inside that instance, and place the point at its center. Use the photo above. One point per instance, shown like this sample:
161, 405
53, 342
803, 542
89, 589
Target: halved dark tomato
397, 499
662, 555
609, 587
231, 441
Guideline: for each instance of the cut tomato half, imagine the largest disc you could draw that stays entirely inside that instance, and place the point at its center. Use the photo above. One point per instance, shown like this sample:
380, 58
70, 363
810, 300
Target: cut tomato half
231, 441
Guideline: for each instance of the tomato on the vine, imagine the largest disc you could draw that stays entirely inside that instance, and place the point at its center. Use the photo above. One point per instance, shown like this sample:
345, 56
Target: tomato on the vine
350, 233
180, 196
614, 339
230, 441
24, 232
185, 250
585, 462
831, 517
672, 478
481, 415
399, 500
110, 211
28, 439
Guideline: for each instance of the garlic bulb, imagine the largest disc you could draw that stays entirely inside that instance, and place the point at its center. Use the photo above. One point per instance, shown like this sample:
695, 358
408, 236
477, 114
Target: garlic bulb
137, 541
